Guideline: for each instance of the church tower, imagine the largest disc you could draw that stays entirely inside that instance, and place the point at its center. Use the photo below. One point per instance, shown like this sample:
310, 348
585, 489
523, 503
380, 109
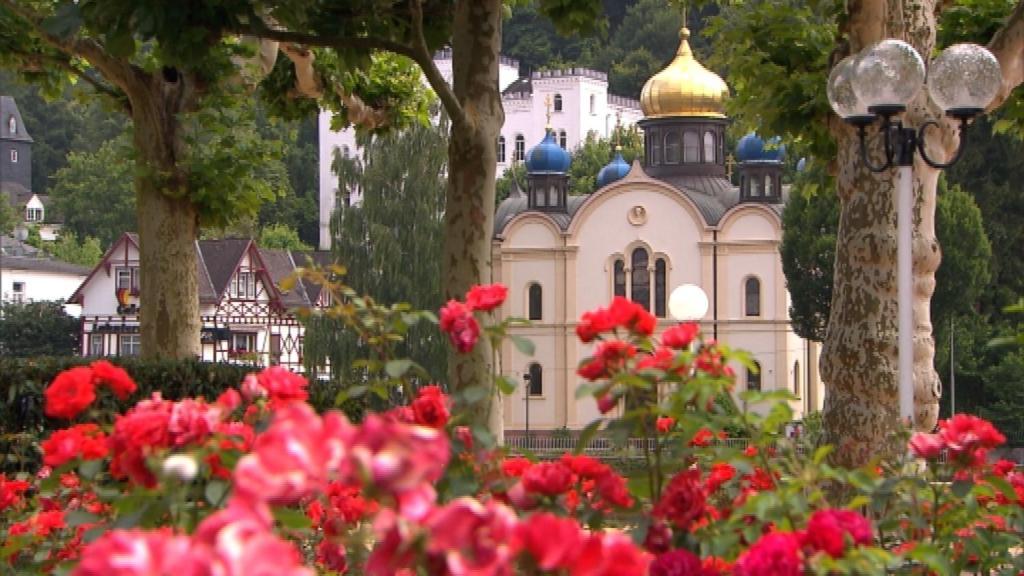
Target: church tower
760, 165
15, 153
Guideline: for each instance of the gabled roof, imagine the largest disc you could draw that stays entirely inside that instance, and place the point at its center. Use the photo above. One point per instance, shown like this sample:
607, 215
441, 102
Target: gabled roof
279, 266
9, 108
320, 258
16, 194
221, 258
131, 237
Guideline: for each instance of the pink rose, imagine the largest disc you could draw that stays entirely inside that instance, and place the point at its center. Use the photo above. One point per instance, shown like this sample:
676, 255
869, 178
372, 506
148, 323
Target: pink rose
928, 446
473, 538
775, 554
486, 297
462, 328
828, 531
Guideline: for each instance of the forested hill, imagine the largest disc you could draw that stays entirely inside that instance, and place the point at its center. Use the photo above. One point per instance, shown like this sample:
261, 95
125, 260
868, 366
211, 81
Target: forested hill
641, 38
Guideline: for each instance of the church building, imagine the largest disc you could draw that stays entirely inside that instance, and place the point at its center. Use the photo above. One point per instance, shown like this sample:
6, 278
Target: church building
673, 219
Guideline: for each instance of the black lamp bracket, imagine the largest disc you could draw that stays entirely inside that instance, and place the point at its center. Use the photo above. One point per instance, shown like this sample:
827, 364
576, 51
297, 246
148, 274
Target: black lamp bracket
900, 142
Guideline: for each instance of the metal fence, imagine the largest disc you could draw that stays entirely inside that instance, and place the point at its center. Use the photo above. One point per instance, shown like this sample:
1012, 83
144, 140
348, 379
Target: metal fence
597, 446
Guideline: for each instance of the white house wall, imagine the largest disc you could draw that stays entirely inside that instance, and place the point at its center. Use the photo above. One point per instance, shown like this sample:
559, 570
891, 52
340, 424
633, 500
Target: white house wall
40, 286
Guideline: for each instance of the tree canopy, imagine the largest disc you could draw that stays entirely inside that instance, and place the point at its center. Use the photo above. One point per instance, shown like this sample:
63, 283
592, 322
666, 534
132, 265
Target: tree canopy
37, 329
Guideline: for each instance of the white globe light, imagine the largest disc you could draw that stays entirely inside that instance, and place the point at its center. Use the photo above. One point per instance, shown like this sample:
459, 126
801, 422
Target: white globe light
889, 75
964, 78
841, 96
687, 303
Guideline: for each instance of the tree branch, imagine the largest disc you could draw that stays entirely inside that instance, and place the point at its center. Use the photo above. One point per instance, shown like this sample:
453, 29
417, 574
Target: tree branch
259, 28
425, 59
1008, 46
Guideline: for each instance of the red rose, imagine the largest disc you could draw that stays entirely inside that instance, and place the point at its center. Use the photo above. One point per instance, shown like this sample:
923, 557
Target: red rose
283, 385
776, 554
683, 500
1003, 467
10, 491
702, 438
70, 393
664, 424
610, 554
549, 478
680, 336
458, 322
828, 531
676, 563
664, 359
632, 316
928, 446
720, 474
969, 438
606, 403
121, 384
331, 555
430, 408
659, 538
515, 467
552, 541
138, 433
85, 441
487, 297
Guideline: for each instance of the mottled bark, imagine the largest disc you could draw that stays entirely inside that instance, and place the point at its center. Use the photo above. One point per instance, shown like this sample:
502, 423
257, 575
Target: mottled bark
469, 210
168, 222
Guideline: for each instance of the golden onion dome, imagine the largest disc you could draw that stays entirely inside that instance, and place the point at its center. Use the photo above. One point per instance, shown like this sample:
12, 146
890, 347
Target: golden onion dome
684, 88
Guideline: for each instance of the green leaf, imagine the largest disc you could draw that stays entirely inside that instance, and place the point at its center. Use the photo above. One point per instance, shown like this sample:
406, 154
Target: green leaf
962, 488
292, 519
932, 557
90, 468
524, 345
79, 517
505, 384
397, 368
215, 491
586, 435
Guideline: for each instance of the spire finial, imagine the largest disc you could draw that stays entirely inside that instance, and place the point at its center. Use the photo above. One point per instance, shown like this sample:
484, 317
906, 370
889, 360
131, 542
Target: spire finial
547, 108
618, 131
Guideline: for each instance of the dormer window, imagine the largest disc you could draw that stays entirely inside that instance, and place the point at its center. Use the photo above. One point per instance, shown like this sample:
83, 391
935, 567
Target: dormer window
12, 125
244, 286
33, 214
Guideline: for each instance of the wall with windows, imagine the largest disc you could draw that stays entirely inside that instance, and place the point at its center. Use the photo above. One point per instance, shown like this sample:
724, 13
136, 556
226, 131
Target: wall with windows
22, 284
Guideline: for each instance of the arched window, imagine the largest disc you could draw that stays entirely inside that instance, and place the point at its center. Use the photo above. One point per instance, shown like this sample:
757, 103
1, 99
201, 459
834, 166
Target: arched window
754, 377
752, 296
619, 278
672, 148
641, 293
755, 187
709, 147
796, 378
562, 139
593, 104
536, 380
768, 185
520, 152
535, 303
501, 148
691, 147
659, 287
558, 102
655, 149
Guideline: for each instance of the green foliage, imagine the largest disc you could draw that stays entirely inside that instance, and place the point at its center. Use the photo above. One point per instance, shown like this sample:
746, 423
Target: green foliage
594, 153
67, 248
8, 217
37, 329
391, 242
964, 273
514, 175
281, 237
94, 192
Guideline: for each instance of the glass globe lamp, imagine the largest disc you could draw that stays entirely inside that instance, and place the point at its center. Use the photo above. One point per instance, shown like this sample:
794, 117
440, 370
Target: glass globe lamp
888, 76
841, 96
964, 79
688, 303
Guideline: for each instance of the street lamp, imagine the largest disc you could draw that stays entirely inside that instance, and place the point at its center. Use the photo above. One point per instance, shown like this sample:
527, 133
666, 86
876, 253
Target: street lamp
526, 399
688, 303
877, 84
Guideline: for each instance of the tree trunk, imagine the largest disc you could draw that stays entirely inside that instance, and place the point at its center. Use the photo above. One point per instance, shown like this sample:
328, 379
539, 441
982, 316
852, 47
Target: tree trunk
167, 220
469, 209
859, 359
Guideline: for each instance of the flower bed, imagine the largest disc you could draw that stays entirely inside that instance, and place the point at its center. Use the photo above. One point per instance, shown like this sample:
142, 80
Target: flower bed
258, 482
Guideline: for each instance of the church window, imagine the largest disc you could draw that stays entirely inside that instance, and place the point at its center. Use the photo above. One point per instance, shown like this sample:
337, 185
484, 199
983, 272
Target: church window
641, 289
709, 147
752, 296
619, 279
655, 149
536, 380
501, 148
593, 105
755, 186
520, 152
754, 377
796, 378
659, 287
768, 186
562, 139
558, 102
535, 302
691, 147
12, 125
14, 156
672, 148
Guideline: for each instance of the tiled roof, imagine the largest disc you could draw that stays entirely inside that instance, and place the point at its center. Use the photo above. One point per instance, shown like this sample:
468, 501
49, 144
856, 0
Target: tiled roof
42, 265
221, 257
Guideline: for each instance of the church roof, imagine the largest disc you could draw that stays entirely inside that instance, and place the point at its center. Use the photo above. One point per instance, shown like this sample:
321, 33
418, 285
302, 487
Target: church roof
515, 205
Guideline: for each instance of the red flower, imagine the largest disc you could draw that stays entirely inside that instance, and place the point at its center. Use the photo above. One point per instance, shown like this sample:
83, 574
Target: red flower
283, 385
70, 393
487, 297
553, 542
10, 491
229, 400
549, 478
85, 441
138, 433
709, 361
928, 446
968, 438
659, 538
683, 500
606, 403
1003, 467
331, 555
676, 563
829, 530
664, 424
702, 438
610, 554
515, 467
136, 552
458, 322
192, 421
680, 336
593, 368
430, 408
473, 538
622, 313
613, 490
398, 457
121, 384
714, 566
720, 474
776, 554
609, 357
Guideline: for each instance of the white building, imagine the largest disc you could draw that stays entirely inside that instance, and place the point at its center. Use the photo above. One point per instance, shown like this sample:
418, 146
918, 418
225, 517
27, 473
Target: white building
677, 219
30, 279
246, 316
577, 98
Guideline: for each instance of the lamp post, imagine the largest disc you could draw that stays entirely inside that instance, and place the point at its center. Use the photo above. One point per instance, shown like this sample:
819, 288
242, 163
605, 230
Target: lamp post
688, 303
876, 85
526, 400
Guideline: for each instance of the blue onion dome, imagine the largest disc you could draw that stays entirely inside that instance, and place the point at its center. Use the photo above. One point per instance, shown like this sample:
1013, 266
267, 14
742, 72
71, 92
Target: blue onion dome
751, 148
614, 170
547, 157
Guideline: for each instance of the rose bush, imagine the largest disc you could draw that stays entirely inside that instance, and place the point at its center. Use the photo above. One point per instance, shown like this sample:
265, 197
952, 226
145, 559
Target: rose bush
257, 482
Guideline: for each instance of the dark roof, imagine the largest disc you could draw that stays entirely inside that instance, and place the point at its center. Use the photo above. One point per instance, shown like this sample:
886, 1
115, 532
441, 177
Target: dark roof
279, 266
319, 258
221, 258
17, 195
9, 108
50, 214
520, 86
11, 246
43, 265
515, 205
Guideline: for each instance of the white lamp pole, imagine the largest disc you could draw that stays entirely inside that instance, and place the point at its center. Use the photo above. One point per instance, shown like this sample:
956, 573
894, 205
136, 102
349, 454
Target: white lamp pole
688, 303
878, 84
